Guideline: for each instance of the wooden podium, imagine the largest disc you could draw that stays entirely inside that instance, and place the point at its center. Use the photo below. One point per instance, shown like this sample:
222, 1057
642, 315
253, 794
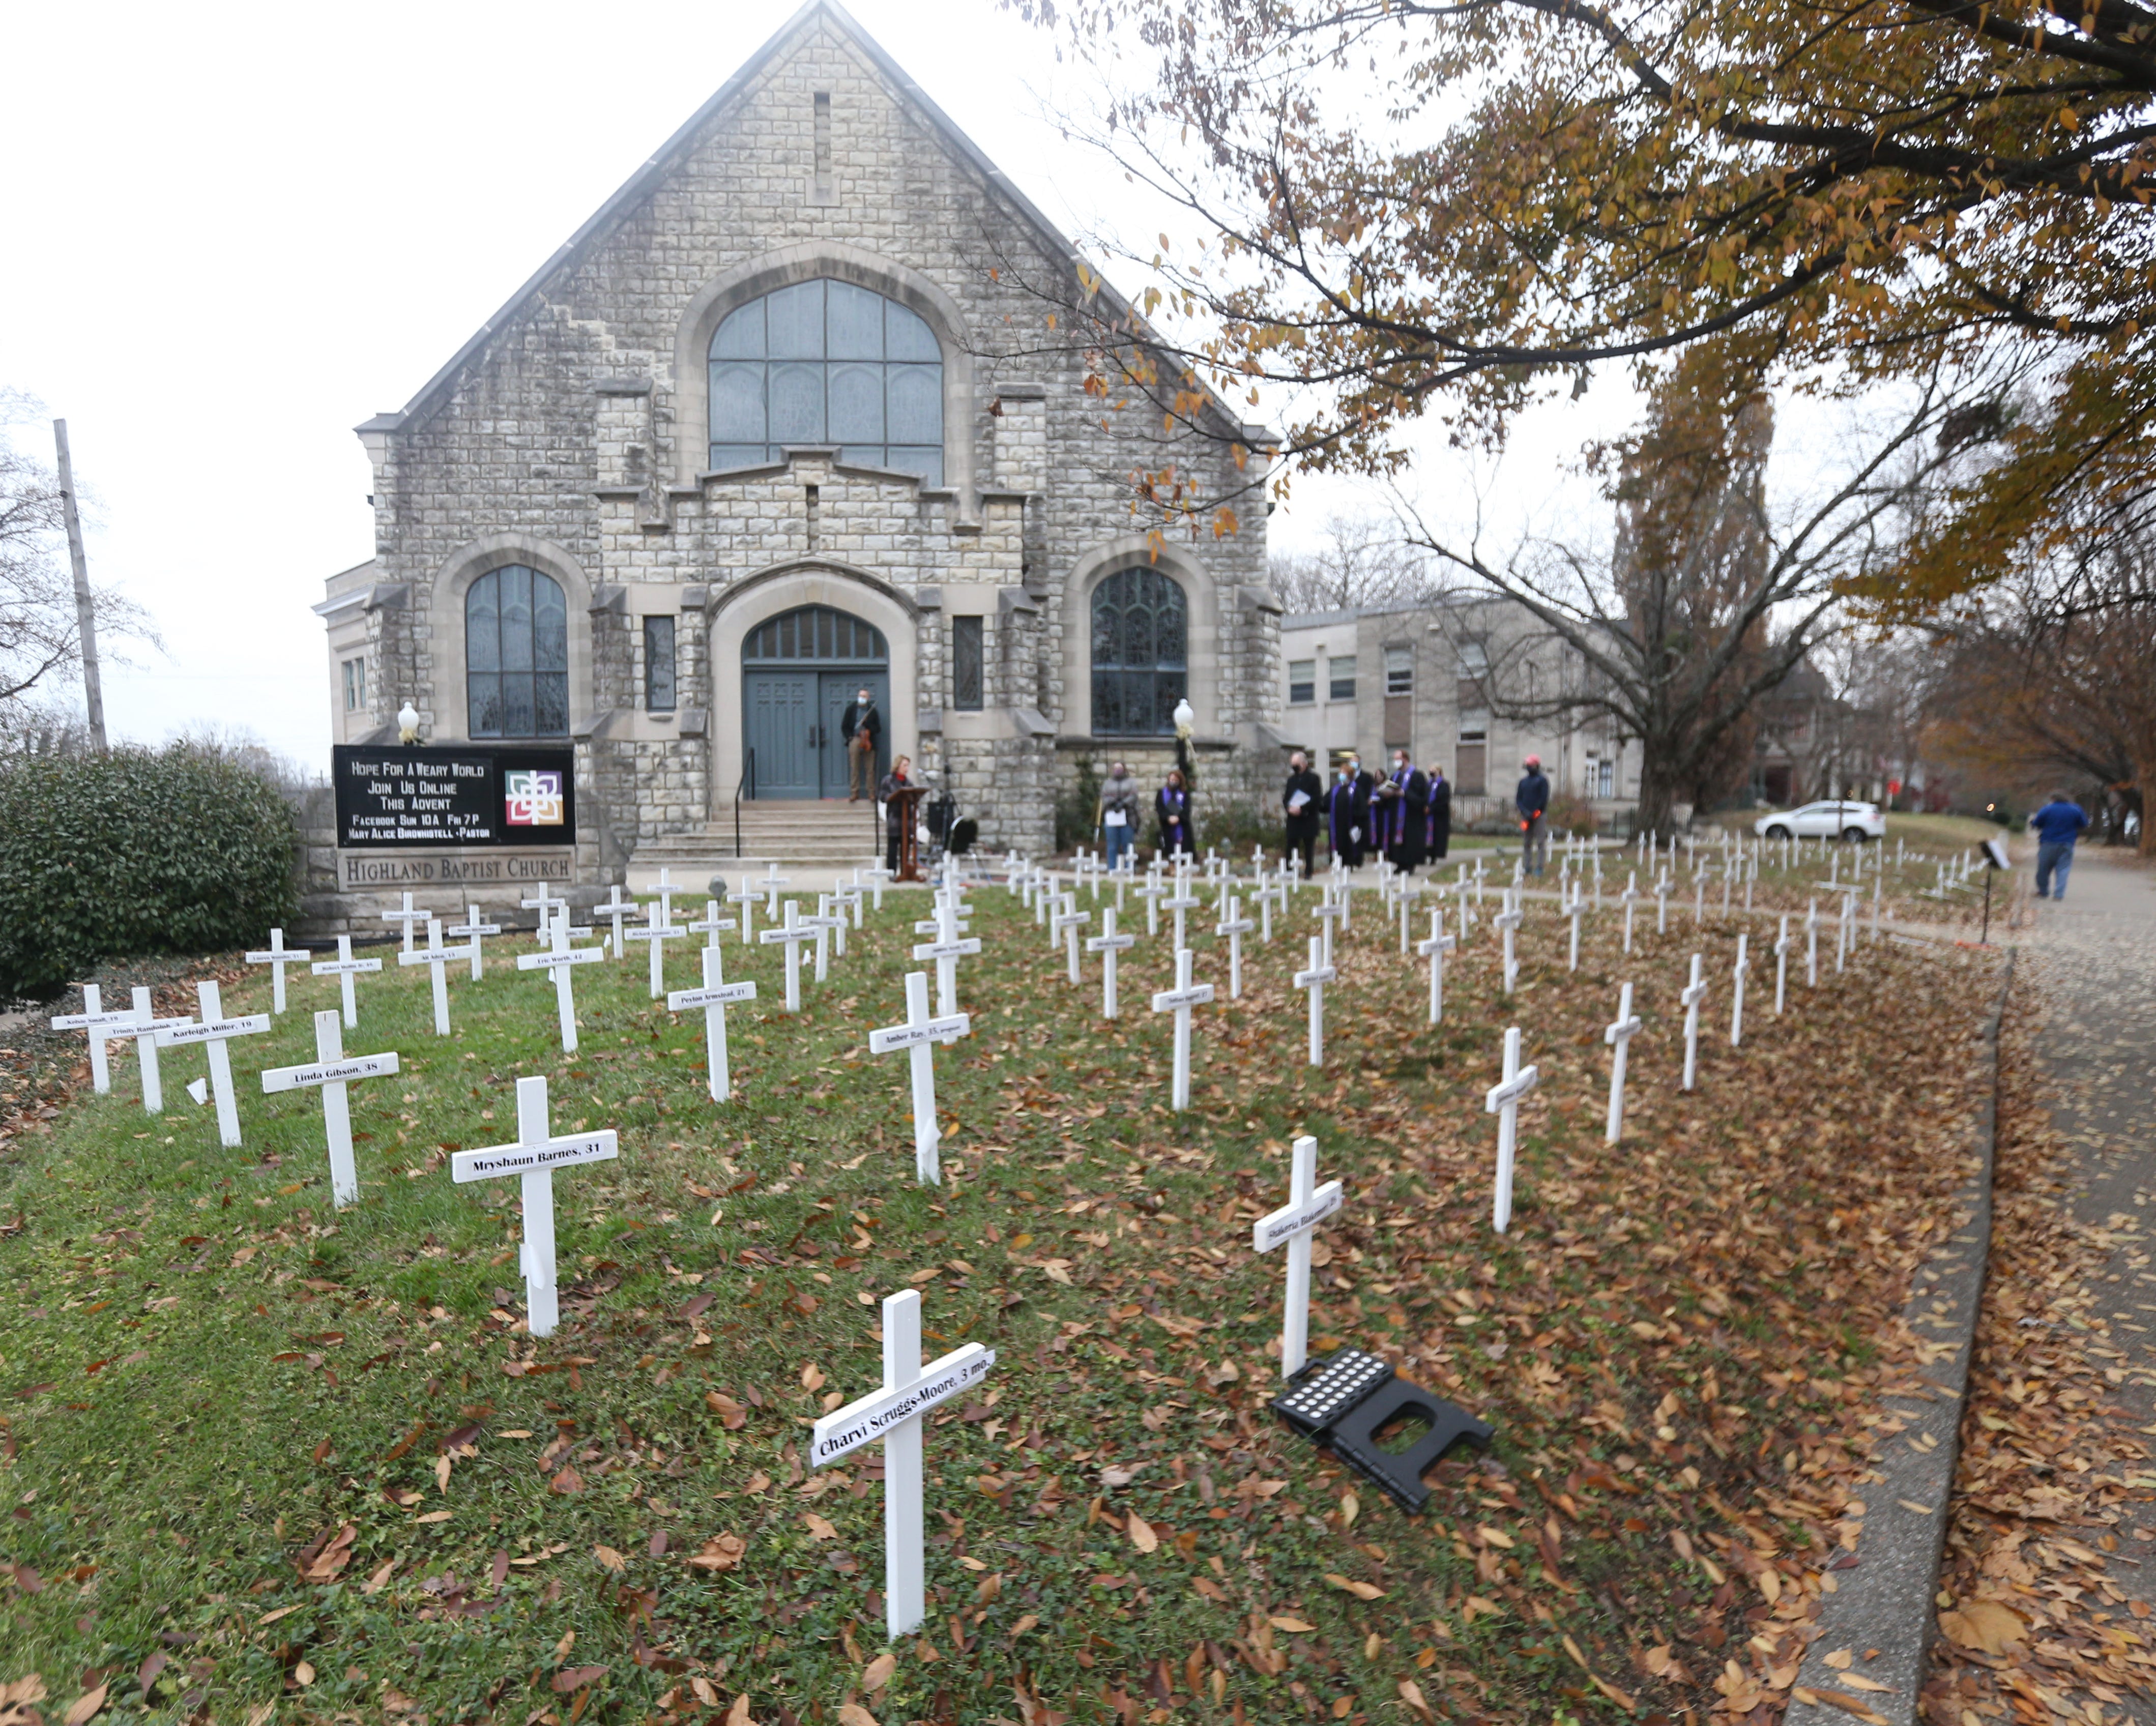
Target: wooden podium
906, 801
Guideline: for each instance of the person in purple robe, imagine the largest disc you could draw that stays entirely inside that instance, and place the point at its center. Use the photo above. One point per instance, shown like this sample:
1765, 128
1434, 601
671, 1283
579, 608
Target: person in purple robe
1437, 817
1398, 811
1173, 805
1348, 812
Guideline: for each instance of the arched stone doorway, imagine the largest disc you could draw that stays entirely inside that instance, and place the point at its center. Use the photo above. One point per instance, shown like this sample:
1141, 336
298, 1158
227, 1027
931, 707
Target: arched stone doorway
798, 672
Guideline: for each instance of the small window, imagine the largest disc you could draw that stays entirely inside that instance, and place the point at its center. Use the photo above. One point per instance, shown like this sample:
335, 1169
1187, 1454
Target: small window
659, 665
1301, 681
1342, 686
1474, 660
355, 685
1607, 779
966, 663
1399, 671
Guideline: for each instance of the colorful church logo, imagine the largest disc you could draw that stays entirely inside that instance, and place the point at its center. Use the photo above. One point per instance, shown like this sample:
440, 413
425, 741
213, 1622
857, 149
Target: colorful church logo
534, 799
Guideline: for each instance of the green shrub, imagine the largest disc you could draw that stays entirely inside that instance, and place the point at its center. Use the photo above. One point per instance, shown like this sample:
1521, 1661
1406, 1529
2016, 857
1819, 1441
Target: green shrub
178, 851
1076, 808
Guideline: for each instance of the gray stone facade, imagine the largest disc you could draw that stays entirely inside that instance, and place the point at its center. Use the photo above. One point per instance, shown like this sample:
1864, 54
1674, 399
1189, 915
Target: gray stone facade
571, 436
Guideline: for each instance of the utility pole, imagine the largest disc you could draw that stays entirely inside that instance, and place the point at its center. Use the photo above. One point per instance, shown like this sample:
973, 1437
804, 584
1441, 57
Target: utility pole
86, 620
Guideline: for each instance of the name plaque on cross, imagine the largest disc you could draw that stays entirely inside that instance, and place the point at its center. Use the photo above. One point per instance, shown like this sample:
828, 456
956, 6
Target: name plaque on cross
868, 1419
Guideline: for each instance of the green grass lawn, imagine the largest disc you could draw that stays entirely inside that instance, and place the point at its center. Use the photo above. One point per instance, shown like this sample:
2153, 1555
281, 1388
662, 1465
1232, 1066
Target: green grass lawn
260, 1454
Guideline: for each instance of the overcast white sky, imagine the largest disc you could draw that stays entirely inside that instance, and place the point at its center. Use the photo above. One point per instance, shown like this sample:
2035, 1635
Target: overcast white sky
240, 230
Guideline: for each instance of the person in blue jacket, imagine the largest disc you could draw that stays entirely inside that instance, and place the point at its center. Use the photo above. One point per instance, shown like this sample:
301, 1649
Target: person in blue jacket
2056, 826
1531, 799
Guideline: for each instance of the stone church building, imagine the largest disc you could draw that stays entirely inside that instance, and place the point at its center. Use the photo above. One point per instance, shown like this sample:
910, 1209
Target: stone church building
785, 419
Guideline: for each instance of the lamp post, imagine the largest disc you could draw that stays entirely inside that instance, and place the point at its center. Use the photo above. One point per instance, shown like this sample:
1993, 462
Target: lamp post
1185, 717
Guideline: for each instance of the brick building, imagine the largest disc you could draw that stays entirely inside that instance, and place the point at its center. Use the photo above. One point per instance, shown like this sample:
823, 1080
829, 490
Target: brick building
780, 420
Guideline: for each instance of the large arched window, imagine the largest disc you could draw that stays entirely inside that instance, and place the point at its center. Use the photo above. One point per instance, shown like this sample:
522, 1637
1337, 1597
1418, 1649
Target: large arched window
1141, 653
827, 362
516, 654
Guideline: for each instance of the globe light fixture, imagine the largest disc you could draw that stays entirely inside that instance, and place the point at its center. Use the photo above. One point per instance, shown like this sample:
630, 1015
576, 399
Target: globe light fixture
1185, 717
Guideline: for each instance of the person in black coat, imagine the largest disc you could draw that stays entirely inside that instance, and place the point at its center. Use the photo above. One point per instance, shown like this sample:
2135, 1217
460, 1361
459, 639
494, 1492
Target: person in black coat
1348, 814
1303, 821
1398, 813
1173, 805
1437, 820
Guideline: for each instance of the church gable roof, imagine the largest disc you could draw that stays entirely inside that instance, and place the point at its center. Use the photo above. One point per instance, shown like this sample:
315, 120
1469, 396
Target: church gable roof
647, 178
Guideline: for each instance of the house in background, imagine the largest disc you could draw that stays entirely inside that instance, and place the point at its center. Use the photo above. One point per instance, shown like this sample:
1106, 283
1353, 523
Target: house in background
1439, 679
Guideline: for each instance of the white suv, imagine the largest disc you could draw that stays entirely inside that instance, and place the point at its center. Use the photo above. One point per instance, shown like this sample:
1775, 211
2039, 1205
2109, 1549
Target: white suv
1855, 822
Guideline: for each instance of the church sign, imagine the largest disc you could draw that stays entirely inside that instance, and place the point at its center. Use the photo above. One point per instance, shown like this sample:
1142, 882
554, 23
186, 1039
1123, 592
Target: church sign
453, 816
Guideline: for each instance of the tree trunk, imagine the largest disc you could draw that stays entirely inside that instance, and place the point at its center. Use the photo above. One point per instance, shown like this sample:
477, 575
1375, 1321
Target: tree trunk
1658, 790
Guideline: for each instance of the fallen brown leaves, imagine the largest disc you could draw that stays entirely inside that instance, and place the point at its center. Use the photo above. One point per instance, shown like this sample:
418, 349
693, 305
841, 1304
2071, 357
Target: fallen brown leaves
2038, 1630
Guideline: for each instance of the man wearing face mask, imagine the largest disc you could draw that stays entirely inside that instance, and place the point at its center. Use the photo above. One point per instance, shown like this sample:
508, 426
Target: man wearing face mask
1348, 812
1300, 800
1398, 813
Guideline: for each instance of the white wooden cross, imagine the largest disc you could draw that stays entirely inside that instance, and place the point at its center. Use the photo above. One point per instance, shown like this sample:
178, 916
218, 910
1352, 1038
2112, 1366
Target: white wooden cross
213, 1029
1698, 898
1066, 923
713, 998
1308, 1204
1619, 1036
277, 956
534, 1156
144, 1029
1234, 925
1182, 902
771, 883
99, 1024
560, 958
1436, 947
950, 945
657, 929
332, 1069
408, 917
343, 967
1153, 892
1503, 1101
1314, 979
1811, 945
1328, 911
437, 957
545, 905
1782, 965
1693, 994
1179, 1000
830, 928
747, 896
614, 910
1737, 993
666, 889
894, 1413
1408, 897
472, 928
916, 1036
709, 923
1509, 920
1845, 934
1577, 905
1268, 894
793, 933
1108, 944
1662, 905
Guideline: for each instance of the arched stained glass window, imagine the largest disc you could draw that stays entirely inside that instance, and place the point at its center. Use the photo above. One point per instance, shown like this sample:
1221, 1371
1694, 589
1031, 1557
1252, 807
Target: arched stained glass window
827, 362
1141, 653
516, 654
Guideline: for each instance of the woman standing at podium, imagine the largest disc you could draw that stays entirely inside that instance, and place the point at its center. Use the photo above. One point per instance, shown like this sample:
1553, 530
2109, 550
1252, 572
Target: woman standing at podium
895, 809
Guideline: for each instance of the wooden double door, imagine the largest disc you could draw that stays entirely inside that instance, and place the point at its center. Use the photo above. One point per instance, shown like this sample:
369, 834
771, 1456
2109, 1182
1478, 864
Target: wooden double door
792, 722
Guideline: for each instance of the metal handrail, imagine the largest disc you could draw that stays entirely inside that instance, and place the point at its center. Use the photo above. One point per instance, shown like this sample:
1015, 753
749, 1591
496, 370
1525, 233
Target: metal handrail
747, 778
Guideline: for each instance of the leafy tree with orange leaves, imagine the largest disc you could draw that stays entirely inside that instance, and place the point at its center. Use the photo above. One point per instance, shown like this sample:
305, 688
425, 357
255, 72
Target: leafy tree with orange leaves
1479, 200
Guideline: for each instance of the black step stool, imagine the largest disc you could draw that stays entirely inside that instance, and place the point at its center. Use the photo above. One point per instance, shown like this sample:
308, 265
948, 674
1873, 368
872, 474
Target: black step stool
1342, 1401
